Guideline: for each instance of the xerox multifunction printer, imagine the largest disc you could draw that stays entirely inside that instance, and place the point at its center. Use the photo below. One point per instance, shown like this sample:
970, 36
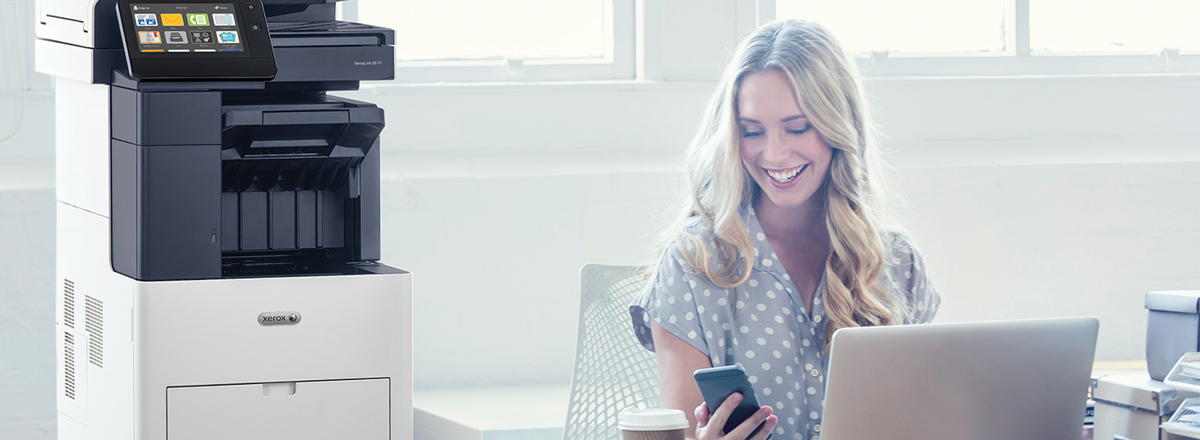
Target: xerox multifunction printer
218, 223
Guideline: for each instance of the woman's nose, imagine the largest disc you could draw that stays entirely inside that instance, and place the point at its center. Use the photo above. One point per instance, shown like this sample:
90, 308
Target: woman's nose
776, 153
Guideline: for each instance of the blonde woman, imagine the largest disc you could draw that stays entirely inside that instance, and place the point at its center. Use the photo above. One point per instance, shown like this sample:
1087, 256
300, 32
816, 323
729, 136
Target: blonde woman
783, 239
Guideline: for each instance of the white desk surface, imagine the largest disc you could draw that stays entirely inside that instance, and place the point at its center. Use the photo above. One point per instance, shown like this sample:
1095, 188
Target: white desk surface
538, 412
493, 413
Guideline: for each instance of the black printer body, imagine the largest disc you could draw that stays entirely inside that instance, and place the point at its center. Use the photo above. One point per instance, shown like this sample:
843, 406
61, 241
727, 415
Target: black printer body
249, 178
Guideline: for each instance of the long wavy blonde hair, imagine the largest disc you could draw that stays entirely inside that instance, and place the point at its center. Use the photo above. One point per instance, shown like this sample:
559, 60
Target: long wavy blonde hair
831, 95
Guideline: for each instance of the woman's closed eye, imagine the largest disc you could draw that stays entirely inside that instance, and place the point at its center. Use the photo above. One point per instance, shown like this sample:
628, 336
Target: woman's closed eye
756, 132
751, 132
799, 130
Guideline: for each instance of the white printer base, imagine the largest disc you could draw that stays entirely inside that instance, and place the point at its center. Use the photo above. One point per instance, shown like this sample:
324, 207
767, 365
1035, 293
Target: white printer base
190, 360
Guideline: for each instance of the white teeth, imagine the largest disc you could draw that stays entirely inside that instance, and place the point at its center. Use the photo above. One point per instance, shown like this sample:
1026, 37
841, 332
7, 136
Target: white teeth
785, 177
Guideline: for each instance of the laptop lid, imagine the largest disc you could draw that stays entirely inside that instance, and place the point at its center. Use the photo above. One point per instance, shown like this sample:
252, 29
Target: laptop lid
996, 380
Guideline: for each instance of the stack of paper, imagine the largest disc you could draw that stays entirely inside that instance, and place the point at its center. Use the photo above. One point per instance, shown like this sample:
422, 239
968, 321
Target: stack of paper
1186, 421
1185, 375
1190, 369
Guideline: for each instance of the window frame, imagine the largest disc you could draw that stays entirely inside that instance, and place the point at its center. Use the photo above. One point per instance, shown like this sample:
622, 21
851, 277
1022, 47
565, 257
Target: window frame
618, 63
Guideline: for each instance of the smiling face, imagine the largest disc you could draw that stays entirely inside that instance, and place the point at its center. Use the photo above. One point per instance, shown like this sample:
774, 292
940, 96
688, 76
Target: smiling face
780, 149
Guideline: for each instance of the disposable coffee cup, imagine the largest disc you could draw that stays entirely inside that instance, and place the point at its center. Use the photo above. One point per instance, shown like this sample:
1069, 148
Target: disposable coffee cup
652, 424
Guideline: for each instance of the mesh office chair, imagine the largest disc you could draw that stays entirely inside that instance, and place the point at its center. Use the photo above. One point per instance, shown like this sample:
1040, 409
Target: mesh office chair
612, 370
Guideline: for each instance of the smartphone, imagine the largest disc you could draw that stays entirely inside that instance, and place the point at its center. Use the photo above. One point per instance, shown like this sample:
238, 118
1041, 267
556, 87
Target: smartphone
717, 383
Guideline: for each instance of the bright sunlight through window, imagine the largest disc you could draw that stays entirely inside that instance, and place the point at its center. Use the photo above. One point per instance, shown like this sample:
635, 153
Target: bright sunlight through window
1114, 25
921, 26
1065, 26
489, 29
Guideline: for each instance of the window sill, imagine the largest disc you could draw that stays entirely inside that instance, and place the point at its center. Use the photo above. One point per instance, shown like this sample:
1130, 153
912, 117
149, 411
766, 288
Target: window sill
881, 65
628, 85
638, 85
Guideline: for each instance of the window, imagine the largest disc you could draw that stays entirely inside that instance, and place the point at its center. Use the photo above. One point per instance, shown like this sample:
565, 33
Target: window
505, 40
1010, 37
1100, 26
916, 26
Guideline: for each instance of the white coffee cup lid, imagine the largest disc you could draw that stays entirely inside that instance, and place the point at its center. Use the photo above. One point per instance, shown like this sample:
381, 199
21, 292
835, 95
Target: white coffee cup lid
652, 419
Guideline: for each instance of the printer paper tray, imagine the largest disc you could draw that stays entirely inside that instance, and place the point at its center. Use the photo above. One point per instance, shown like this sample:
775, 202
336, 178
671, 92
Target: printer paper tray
352, 409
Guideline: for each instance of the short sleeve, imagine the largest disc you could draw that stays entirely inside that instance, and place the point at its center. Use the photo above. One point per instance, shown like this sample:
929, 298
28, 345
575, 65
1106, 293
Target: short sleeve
913, 279
669, 300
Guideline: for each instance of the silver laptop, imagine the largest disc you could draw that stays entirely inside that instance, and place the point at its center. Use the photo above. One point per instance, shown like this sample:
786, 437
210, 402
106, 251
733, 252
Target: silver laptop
1001, 380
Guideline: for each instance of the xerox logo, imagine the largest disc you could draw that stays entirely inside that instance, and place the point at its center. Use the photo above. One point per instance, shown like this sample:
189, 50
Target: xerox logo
278, 318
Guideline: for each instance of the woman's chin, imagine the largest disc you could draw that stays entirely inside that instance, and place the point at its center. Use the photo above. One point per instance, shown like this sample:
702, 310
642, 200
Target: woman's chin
794, 197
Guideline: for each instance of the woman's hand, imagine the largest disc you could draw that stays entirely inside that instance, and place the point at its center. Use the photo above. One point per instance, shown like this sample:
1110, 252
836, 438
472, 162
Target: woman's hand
709, 427
677, 360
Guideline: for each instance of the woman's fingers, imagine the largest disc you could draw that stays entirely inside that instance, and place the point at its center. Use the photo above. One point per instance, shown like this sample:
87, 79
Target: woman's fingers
722, 413
768, 426
701, 413
758, 418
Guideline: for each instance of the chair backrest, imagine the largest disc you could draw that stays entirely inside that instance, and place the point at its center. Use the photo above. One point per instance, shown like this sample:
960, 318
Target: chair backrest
612, 370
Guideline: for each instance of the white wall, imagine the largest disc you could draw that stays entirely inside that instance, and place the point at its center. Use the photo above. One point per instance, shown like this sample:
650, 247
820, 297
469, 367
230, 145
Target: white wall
27, 314
1030, 196
26, 233
1028, 241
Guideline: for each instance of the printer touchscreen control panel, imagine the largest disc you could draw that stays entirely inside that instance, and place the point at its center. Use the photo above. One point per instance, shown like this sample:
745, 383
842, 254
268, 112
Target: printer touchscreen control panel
188, 27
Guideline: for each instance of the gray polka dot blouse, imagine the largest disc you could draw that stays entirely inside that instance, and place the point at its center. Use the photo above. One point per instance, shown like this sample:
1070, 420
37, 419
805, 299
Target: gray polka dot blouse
766, 328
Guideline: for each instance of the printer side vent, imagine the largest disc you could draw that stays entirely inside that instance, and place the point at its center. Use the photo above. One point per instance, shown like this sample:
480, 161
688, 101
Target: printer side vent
94, 324
68, 303
69, 364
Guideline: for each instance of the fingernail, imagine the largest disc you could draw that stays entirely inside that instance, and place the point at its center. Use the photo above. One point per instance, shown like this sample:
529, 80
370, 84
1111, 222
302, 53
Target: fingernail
737, 397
